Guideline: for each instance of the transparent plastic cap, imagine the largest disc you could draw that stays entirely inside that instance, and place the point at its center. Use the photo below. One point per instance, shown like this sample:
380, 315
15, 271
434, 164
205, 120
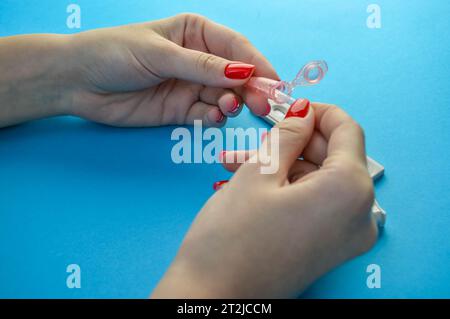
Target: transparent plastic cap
310, 74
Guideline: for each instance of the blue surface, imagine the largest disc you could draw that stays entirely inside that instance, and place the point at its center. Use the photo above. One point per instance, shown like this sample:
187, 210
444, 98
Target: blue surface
112, 201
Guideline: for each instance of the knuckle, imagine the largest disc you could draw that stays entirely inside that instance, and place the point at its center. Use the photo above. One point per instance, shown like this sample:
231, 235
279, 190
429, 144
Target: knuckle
237, 41
241, 38
355, 184
291, 125
331, 111
291, 131
189, 16
358, 128
367, 238
366, 194
193, 28
332, 108
353, 126
206, 62
358, 193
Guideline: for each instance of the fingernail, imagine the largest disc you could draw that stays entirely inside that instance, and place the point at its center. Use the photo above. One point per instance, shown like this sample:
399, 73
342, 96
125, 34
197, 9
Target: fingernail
222, 156
239, 71
220, 118
299, 108
263, 136
267, 111
218, 185
236, 105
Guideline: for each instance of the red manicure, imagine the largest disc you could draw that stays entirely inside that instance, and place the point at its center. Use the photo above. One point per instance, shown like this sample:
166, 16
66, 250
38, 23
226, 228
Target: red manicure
220, 118
263, 136
239, 71
222, 156
236, 105
268, 109
218, 185
299, 108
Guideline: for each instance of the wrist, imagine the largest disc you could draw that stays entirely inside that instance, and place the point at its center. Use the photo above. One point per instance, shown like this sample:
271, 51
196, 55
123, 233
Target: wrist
187, 279
34, 82
58, 72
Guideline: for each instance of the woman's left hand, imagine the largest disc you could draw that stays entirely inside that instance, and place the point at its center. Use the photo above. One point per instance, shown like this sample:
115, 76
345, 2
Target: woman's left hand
170, 71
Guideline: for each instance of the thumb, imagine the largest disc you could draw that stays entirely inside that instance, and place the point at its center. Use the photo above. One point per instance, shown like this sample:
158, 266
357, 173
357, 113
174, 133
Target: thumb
294, 133
207, 69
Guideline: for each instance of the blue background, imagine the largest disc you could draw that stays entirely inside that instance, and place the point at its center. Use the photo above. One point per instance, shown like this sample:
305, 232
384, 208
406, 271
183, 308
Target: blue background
112, 201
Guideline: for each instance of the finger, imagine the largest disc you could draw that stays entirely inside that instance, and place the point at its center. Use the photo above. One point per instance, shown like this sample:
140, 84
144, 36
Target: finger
229, 103
299, 169
255, 102
204, 68
316, 150
344, 135
200, 33
220, 184
209, 114
294, 133
232, 160
203, 34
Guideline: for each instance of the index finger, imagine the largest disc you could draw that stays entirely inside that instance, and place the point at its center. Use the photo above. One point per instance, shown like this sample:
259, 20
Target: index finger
344, 135
227, 43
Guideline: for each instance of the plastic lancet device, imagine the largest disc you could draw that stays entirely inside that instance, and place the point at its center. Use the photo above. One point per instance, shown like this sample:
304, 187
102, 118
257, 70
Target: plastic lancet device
280, 97
310, 74
281, 91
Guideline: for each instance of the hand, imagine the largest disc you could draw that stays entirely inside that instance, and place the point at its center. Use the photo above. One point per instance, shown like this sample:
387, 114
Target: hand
170, 71
270, 236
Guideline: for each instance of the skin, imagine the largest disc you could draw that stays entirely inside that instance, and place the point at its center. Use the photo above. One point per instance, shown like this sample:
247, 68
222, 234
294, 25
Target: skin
262, 235
271, 235
163, 72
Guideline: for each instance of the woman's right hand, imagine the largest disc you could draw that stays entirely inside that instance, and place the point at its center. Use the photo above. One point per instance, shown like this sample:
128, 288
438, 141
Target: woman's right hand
271, 235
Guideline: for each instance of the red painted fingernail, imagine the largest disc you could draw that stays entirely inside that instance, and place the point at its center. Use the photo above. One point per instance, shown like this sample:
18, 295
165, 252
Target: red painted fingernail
299, 108
222, 156
263, 136
236, 105
218, 185
239, 71
267, 111
220, 118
